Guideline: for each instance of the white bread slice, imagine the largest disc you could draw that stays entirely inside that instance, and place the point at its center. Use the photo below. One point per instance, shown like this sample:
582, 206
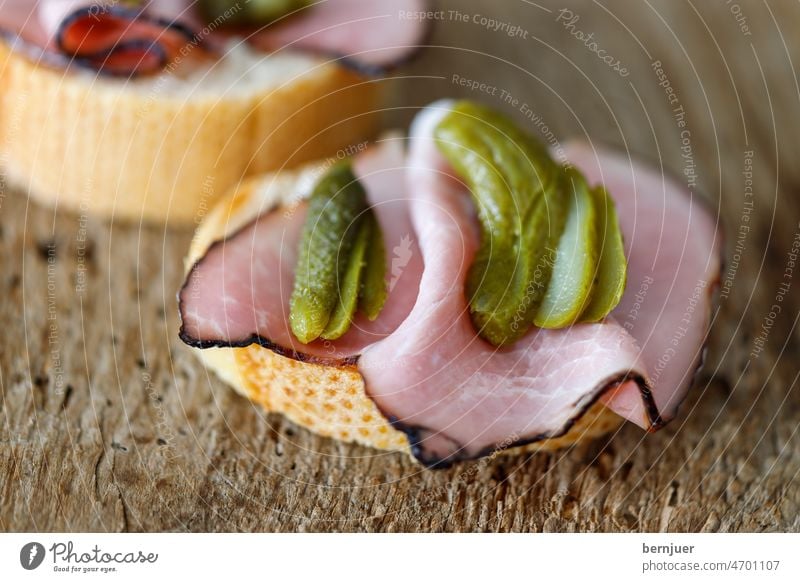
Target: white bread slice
329, 401
164, 148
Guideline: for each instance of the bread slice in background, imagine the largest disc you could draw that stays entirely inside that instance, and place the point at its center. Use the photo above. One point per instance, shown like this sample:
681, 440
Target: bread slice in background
330, 401
164, 147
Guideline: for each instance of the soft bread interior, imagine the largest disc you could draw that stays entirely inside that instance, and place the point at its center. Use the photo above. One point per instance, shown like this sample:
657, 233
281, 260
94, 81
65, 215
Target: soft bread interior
165, 148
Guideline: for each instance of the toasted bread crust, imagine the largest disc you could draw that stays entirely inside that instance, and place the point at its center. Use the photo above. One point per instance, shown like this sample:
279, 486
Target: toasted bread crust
101, 147
328, 400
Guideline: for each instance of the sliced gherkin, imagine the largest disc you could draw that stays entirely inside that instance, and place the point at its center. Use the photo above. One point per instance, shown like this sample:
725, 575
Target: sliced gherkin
250, 12
329, 233
349, 284
510, 176
612, 267
373, 292
570, 287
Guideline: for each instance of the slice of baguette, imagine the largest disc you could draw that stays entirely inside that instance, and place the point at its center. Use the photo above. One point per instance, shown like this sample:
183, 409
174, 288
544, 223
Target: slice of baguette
164, 148
329, 401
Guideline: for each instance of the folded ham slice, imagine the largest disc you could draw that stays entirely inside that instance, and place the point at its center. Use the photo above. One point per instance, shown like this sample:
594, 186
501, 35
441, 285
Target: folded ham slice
455, 396
103, 35
674, 249
458, 397
113, 38
372, 36
239, 293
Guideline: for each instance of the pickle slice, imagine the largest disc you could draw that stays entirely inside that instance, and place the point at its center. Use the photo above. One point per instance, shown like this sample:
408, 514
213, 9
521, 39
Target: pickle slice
509, 175
350, 284
328, 237
570, 285
612, 267
252, 12
373, 292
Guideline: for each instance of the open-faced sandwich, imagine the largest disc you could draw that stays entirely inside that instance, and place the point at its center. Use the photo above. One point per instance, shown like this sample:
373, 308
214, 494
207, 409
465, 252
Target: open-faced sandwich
147, 109
458, 291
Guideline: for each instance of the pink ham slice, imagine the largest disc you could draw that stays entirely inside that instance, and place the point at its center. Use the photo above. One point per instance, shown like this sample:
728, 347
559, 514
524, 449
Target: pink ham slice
457, 397
238, 294
114, 39
373, 35
674, 254
102, 35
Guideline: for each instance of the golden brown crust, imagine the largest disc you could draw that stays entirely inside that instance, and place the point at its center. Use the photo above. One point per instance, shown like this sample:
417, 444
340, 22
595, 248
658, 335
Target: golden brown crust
141, 154
330, 401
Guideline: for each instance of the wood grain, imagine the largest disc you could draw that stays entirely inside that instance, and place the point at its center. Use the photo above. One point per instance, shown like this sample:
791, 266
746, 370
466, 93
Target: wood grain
108, 423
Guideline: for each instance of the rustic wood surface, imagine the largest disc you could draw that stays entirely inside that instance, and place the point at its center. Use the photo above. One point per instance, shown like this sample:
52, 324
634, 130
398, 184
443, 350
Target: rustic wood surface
108, 423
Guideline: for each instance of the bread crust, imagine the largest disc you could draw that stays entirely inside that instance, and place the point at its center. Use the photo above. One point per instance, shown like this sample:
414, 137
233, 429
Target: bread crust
328, 400
95, 145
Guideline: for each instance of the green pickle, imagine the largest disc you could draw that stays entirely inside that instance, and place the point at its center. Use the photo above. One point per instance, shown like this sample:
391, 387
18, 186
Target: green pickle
509, 175
550, 252
373, 292
335, 257
612, 272
349, 285
251, 12
570, 286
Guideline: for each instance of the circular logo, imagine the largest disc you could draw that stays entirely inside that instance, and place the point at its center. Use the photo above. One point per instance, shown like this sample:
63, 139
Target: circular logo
31, 555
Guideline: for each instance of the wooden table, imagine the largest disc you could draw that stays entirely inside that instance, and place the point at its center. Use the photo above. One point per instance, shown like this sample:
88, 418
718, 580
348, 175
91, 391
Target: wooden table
107, 422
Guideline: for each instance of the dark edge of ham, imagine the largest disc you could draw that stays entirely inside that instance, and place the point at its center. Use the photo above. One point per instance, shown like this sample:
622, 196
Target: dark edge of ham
371, 70
255, 338
151, 52
99, 59
218, 306
322, 32
143, 55
417, 434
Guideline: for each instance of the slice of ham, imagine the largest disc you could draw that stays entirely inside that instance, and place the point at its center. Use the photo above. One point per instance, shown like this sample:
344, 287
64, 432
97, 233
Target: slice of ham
122, 41
105, 36
457, 397
674, 247
239, 293
372, 36
114, 39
